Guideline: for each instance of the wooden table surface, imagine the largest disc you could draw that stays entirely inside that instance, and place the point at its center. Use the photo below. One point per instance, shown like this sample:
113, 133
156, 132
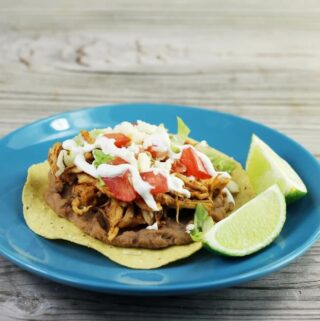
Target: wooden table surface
260, 60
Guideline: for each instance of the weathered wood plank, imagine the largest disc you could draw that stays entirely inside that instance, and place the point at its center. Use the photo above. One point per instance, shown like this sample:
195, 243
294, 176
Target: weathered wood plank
292, 109
278, 296
257, 60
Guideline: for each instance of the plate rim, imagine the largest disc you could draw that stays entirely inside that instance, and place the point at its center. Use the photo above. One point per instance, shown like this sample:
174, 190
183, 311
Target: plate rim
169, 288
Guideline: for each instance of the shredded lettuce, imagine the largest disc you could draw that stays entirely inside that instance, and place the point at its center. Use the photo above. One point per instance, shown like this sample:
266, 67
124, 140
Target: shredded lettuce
183, 131
101, 158
174, 147
221, 164
68, 158
202, 223
79, 140
101, 182
94, 133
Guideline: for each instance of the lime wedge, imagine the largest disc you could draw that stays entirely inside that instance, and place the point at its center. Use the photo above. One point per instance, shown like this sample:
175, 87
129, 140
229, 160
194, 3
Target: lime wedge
250, 228
265, 168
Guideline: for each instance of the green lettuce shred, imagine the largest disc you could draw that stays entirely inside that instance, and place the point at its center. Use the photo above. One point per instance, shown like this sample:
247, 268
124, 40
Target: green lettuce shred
202, 223
183, 132
101, 158
79, 140
94, 133
101, 182
222, 165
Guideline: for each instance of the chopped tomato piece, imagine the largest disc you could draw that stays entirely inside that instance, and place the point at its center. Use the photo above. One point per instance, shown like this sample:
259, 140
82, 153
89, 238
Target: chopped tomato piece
121, 140
179, 167
157, 154
193, 164
158, 181
118, 161
121, 187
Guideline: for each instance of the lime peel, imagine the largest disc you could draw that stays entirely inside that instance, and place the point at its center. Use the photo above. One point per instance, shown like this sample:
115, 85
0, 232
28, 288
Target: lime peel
251, 228
265, 168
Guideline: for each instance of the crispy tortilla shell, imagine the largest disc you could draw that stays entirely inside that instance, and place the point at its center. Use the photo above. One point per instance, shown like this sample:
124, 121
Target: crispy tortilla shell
42, 220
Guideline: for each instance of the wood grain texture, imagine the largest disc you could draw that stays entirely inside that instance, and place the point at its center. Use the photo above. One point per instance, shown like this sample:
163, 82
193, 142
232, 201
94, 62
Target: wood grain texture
260, 60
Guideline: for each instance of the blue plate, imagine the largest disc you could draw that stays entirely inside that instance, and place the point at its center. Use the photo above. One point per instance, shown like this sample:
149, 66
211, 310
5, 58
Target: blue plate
78, 266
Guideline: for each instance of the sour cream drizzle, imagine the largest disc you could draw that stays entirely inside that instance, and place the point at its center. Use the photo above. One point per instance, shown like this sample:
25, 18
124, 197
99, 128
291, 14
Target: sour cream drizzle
142, 135
105, 170
229, 196
159, 140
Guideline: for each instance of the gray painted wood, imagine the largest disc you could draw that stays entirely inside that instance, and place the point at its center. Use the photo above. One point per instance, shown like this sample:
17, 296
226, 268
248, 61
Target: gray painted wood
257, 60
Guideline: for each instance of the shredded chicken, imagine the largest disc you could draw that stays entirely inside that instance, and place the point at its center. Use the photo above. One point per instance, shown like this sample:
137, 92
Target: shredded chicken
89, 157
103, 189
78, 208
86, 179
192, 183
72, 170
53, 156
177, 206
86, 136
216, 185
148, 216
141, 204
127, 218
200, 196
210, 205
168, 200
88, 195
114, 213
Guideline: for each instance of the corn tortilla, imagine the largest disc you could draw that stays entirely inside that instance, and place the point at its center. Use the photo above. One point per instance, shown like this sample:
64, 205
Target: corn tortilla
42, 220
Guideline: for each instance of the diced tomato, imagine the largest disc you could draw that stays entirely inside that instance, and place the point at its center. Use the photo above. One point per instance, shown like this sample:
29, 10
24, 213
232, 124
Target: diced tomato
179, 167
121, 187
121, 140
193, 164
158, 181
157, 154
118, 161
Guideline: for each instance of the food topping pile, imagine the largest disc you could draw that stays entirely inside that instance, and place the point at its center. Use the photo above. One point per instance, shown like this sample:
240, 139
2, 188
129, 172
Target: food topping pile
124, 183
